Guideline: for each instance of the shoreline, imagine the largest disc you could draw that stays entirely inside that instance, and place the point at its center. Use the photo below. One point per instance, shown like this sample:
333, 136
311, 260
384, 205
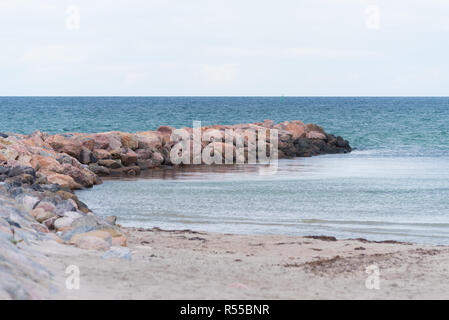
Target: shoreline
45, 228
39, 211
186, 264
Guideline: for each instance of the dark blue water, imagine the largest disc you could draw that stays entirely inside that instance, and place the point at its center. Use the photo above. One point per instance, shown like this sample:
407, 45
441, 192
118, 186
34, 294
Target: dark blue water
394, 126
394, 186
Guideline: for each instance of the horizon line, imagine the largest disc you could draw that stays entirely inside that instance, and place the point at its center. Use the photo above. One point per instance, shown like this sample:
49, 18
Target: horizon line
224, 96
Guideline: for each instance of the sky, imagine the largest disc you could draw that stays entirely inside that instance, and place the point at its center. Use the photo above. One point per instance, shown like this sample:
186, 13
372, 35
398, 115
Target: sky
224, 48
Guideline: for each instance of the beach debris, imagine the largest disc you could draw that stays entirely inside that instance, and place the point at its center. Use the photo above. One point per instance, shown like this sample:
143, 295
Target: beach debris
322, 238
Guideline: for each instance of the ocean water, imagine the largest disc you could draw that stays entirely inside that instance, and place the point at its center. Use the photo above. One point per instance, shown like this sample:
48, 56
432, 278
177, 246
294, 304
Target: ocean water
394, 186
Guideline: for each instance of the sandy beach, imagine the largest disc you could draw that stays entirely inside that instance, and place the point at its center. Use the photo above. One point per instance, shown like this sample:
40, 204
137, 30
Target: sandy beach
195, 265
224, 150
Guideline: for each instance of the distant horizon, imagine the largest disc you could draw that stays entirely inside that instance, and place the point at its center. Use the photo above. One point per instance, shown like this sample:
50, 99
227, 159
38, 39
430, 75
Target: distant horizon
217, 96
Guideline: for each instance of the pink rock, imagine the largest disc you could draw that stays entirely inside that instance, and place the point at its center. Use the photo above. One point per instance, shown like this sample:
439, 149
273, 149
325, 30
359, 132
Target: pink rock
87, 142
61, 143
101, 141
157, 158
313, 127
61, 179
297, 129
268, 123
92, 243
107, 140
129, 140
129, 158
46, 206
39, 162
82, 176
315, 135
3, 159
101, 154
9, 154
149, 140
281, 125
109, 163
144, 154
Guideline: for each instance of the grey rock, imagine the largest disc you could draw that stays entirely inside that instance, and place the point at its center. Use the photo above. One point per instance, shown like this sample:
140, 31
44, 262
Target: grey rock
37, 187
65, 206
52, 187
19, 170
86, 221
50, 200
16, 191
118, 253
63, 222
100, 170
66, 236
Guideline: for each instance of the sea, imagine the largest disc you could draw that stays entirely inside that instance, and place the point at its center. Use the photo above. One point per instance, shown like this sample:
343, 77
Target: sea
393, 186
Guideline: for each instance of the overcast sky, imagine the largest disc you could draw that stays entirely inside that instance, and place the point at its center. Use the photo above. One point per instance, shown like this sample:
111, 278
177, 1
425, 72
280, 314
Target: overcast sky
292, 48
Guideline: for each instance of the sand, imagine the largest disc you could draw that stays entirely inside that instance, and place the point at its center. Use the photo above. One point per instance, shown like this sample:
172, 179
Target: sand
196, 265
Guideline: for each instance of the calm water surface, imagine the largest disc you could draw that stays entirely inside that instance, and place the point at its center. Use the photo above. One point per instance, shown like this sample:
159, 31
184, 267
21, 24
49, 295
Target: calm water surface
395, 186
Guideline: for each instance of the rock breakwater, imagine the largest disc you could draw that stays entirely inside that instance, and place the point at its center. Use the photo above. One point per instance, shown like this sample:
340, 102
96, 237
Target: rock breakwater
77, 160
38, 173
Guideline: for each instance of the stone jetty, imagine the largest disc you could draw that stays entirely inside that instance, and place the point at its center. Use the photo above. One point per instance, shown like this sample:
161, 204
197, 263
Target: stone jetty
77, 160
38, 173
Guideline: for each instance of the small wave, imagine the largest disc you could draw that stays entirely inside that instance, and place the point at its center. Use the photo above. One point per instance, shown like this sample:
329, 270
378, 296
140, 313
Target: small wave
376, 223
368, 152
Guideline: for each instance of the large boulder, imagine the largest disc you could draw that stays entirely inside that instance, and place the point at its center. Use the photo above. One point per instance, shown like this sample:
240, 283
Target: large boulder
63, 180
85, 221
111, 164
62, 143
90, 242
84, 177
99, 170
129, 158
296, 128
44, 215
149, 139
155, 160
86, 156
129, 140
102, 154
43, 163
107, 140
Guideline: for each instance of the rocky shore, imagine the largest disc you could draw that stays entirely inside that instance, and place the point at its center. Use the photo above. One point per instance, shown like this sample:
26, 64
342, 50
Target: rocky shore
38, 173
77, 160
